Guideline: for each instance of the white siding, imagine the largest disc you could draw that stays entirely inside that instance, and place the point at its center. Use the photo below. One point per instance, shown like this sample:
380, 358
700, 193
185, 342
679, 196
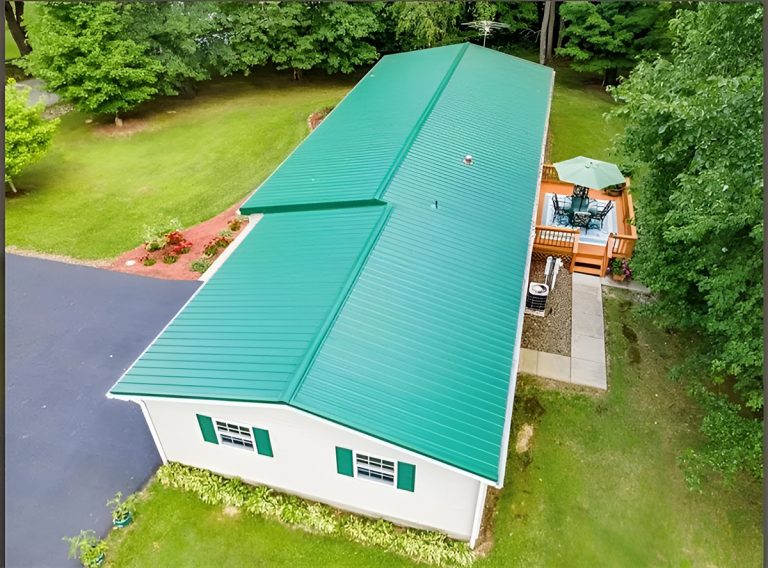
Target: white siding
305, 464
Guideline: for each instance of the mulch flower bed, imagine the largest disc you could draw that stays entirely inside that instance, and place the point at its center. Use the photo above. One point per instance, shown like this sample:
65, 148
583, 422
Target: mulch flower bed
552, 332
181, 248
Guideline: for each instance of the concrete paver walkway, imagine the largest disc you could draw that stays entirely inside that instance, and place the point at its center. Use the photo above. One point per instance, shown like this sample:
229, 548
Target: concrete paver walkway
586, 365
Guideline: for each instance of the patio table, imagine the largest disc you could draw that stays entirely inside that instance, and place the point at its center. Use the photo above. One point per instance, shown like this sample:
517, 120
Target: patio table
580, 203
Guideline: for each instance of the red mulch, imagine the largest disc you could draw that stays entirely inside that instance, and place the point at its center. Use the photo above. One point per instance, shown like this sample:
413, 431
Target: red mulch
199, 235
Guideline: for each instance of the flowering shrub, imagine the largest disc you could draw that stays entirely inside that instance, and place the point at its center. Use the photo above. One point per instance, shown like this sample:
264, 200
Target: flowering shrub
175, 238
213, 246
620, 266
422, 546
182, 247
236, 223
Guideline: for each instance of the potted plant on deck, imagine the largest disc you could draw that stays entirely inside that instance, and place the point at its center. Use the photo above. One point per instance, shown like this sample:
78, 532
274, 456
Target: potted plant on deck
88, 548
122, 510
619, 269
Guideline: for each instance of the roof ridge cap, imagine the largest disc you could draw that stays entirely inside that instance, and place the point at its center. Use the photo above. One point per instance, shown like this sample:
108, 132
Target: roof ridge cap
414, 132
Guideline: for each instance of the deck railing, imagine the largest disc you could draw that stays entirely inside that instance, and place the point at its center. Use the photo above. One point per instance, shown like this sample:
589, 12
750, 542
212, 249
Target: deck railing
549, 173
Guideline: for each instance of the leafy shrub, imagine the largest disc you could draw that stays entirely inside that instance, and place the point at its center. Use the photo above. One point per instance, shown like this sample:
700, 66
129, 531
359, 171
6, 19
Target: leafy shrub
182, 248
86, 547
170, 258
226, 234
156, 237
147, 260
200, 265
734, 442
236, 223
211, 248
422, 546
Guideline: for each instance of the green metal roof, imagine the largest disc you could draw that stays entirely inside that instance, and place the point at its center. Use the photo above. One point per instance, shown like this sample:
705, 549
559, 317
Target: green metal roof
351, 153
414, 344
250, 331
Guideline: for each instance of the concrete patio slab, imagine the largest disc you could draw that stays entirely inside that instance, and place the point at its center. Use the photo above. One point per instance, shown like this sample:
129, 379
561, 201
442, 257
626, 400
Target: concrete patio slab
552, 366
529, 360
590, 325
588, 348
588, 373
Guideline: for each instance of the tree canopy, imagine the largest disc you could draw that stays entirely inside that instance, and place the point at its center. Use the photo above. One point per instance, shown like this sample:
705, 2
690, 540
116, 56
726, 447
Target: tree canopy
607, 37
695, 129
27, 134
107, 58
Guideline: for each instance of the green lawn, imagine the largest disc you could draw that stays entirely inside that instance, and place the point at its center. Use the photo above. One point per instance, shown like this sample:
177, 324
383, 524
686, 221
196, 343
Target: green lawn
577, 123
91, 195
11, 49
599, 487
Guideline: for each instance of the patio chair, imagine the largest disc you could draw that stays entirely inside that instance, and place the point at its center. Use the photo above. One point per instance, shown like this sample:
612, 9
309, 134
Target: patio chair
599, 216
581, 219
560, 215
580, 191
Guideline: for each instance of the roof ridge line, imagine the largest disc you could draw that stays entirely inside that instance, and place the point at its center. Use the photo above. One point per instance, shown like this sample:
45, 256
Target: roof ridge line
298, 379
405, 148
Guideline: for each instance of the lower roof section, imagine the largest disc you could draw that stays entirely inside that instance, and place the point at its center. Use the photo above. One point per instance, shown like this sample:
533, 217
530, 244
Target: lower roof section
252, 329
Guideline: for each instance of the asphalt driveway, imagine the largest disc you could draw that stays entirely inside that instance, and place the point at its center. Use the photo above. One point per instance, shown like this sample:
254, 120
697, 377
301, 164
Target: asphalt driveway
70, 333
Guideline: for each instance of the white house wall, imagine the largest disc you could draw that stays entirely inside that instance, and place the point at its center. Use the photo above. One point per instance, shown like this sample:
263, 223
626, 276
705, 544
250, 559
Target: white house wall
304, 464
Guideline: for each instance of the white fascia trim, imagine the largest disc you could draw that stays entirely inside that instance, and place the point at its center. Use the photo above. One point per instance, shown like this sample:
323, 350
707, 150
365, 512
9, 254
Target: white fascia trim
521, 313
386, 444
222, 258
152, 430
253, 219
479, 509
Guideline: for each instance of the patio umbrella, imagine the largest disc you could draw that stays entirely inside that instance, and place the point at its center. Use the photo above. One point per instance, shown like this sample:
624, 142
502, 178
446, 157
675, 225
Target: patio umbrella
589, 173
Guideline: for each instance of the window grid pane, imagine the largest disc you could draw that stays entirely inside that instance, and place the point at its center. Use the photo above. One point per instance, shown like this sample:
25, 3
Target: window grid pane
235, 435
375, 469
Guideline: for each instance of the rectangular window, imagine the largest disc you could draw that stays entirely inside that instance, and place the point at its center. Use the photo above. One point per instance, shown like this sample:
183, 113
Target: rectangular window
234, 435
375, 469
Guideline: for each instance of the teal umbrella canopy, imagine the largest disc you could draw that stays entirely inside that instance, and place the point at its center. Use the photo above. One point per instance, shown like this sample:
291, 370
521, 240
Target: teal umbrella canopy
589, 173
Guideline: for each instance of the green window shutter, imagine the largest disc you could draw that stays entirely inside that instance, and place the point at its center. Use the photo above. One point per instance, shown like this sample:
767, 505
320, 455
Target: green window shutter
406, 476
263, 444
344, 461
206, 427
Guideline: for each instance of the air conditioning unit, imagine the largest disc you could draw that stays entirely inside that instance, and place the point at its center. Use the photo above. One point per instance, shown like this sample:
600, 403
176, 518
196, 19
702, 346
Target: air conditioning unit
536, 300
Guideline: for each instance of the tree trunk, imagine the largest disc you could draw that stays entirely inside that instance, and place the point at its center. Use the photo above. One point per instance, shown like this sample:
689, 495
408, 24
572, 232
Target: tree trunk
543, 34
297, 74
609, 78
16, 26
118, 121
550, 28
13, 187
560, 33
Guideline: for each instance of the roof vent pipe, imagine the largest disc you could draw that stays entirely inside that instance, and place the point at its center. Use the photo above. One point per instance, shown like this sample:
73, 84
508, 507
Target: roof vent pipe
468, 160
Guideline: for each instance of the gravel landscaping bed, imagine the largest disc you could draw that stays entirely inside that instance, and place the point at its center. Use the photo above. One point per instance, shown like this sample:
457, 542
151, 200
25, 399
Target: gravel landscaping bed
551, 333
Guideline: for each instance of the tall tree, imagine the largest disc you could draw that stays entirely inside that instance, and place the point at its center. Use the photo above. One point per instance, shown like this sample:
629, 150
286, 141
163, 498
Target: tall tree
695, 126
14, 17
27, 134
609, 37
426, 24
107, 58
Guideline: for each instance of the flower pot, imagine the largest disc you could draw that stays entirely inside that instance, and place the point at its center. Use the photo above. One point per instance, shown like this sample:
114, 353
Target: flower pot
618, 277
124, 522
98, 561
613, 192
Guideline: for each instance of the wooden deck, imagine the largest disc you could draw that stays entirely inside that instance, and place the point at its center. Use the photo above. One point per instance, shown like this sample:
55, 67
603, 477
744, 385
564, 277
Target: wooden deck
564, 242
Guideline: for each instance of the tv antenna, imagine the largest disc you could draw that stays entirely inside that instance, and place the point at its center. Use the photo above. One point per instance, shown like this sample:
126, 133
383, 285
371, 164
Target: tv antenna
486, 26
